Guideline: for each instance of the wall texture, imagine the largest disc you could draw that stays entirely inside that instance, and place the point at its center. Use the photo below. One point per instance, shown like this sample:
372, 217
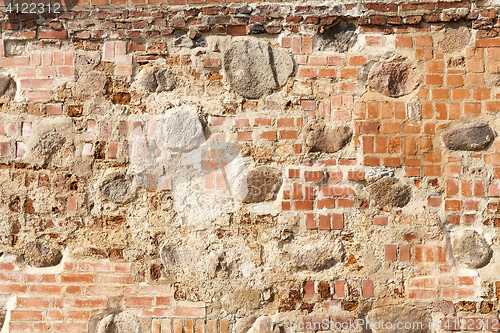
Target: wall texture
211, 166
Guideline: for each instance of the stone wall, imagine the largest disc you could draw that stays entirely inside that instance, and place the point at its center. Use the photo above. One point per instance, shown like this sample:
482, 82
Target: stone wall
231, 167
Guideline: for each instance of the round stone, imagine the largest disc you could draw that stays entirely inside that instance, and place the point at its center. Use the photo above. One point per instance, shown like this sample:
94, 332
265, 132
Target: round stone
469, 137
389, 191
393, 78
472, 249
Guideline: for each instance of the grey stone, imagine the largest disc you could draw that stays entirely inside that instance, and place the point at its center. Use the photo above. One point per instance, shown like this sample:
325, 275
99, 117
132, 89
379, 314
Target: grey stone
329, 140
254, 68
7, 86
390, 191
393, 78
340, 37
469, 137
400, 313
118, 187
186, 42
156, 79
472, 249
181, 130
121, 322
264, 184
264, 324
40, 253
414, 110
49, 143
90, 85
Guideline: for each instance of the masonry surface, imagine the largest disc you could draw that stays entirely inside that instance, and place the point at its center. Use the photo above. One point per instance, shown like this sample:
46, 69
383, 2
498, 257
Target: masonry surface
233, 167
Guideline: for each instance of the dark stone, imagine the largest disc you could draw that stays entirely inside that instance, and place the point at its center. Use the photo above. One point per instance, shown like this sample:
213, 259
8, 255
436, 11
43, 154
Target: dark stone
390, 191
118, 188
40, 253
157, 79
393, 78
257, 29
400, 313
254, 68
469, 137
7, 86
263, 185
340, 37
329, 140
472, 249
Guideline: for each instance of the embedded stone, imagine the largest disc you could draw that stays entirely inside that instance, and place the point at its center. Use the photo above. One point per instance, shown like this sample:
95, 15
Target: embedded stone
88, 61
329, 139
319, 256
456, 38
469, 137
90, 85
118, 188
418, 319
181, 130
41, 253
393, 78
50, 143
264, 184
7, 86
156, 79
389, 191
254, 68
472, 249
121, 322
264, 324
340, 37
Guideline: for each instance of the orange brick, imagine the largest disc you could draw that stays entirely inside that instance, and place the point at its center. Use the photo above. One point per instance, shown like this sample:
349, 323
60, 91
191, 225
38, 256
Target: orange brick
474, 66
403, 41
435, 66
479, 94
454, 80
460, 94
434, 79
423, 41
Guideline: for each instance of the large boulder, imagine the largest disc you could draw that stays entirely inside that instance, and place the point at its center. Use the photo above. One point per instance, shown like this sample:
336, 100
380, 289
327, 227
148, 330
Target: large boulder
416, 319
180, 130
389, 191
7, 86
469, 137
121, 322
40, 253
254, 68
393, 78
90, 85
329, 139
264, 184
472, 249
156, 79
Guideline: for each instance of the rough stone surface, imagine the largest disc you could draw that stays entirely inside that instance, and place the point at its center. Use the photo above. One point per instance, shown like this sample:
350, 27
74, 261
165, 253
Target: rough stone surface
264, 184
472, 249
393, 78
340, 37
181, 130
90, 85
400, 313
50, 143
40, 253
122, 322
329, 140
390, 191
254, 68
156, 79
469, 137
318, 256
87, 61
7, 86
456, 38
264, 324
118, 188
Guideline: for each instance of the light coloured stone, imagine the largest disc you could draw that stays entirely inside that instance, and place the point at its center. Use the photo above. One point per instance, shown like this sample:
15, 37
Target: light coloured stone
393, 78
122, 322
472, 249
90, 85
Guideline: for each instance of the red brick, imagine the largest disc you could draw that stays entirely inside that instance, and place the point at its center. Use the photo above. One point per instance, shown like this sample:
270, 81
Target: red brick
26, 315
380, 220
45, 289
115, 278
32, 302
188, 312
53, 34
77, 278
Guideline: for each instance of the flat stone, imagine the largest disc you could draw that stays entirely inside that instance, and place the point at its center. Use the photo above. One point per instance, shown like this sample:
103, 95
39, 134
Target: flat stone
329, 139
121, 322
403, 314
264, 184
472, 249
393, 78
389, 191
7, 86
180, 130
40, 253
118, 187
264, 324
156, 79
90, 85
469, 137
254, 68
340, 37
